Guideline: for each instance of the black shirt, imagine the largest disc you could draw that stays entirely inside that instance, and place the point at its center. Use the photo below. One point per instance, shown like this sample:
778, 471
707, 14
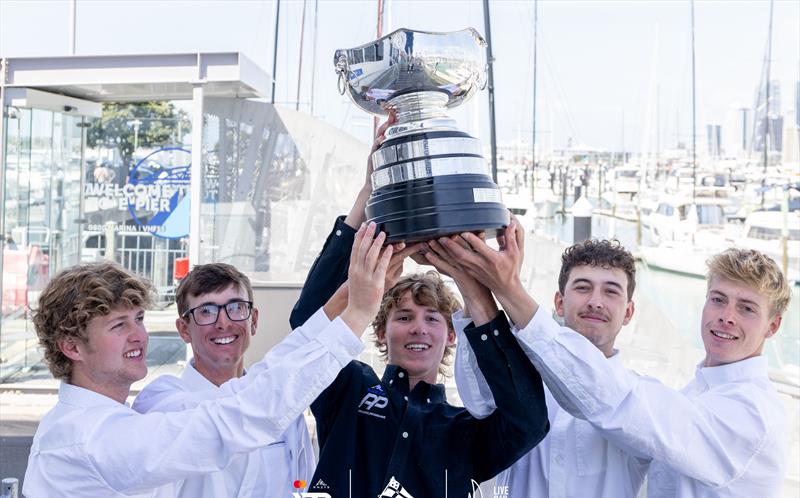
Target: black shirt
375, 434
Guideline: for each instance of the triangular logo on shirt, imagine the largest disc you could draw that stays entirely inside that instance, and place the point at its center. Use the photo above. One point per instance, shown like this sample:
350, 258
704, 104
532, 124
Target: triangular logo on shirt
321, 485
395, 490
376, 389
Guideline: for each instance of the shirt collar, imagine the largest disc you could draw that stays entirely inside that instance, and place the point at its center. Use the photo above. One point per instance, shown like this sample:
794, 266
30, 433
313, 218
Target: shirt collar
194, 379
747, 369
79, 396
397, 378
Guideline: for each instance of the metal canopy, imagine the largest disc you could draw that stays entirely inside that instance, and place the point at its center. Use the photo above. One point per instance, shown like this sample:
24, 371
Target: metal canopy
134, 78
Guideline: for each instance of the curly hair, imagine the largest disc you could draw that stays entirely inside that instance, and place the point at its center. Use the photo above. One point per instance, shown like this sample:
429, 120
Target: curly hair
755, 269
596, 252
211, 277
74, 297
427, 289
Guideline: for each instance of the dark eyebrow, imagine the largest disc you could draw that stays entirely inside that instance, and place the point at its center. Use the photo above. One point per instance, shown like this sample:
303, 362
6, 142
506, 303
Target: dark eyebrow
232, 300
581, 281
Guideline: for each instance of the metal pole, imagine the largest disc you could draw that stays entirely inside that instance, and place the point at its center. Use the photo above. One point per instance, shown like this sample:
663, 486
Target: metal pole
73, 15
10, 488
766, 108
274, 50
490, 60
533, 134
694, 124
379, 32
196, 177
3, 69
314, 55
300, 61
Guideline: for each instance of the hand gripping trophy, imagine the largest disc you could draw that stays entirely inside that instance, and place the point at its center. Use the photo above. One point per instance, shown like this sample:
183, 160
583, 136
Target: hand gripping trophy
429, 178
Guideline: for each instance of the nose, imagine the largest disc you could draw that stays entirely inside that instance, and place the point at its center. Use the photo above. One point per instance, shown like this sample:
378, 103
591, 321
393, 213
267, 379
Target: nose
140, 335
727, 315
595, 300
222, 319
418, 326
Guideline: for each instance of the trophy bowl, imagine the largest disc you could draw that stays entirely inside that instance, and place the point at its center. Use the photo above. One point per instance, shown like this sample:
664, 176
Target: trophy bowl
429, 179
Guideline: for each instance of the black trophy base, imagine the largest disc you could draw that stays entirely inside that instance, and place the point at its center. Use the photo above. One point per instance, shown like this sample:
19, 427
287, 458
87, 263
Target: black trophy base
425, 209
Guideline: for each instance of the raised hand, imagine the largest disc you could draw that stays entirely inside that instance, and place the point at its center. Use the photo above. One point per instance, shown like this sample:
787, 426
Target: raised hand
399, 254
356, 216
369, 261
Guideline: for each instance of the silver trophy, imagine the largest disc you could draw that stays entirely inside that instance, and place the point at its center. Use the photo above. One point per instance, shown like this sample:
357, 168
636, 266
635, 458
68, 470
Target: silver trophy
430, 179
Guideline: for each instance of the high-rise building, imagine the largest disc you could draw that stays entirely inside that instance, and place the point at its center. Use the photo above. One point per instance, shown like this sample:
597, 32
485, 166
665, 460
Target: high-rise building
765, 126
714, 140
797, 104
736, 131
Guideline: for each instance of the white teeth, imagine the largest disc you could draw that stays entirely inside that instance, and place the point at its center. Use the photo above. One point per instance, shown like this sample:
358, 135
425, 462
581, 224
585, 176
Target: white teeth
722, 335
417, 347
133, 354
223, 340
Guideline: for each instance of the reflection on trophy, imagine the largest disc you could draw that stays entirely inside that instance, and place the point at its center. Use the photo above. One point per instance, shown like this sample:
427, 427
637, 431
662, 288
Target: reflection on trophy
429, 178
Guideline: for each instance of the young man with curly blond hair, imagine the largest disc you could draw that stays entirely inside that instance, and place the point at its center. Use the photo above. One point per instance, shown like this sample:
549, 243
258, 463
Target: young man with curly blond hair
721, 435
90, 323
396, 434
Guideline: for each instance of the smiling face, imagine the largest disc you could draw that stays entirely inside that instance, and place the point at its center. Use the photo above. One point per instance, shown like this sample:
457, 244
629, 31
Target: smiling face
735, 322
113, 355
218, 347
595, 304
416, 336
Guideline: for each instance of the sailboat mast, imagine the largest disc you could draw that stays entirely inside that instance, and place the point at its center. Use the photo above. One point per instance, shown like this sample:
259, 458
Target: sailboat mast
766, 108
490, 59
314, 54
533, 133
694, 120
300, 62
275, 47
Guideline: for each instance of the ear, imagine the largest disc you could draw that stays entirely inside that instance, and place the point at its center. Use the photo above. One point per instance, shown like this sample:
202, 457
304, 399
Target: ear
69, 347
773, 326
558, 301
628, 313
451, 337
254, 321
183, 330
380, 334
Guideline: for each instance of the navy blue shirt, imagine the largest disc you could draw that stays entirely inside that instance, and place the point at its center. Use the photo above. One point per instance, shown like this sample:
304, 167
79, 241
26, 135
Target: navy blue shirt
375, 433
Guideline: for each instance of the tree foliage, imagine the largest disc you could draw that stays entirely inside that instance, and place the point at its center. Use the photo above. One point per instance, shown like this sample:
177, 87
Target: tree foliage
160, 124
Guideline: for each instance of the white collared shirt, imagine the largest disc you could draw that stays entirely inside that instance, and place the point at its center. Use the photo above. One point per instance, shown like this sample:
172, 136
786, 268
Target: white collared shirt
574, 460
723, 435
269, 471
92, 446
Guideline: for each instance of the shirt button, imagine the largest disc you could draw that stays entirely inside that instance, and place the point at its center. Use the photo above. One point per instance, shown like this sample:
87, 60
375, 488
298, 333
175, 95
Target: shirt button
405, 435
428, 400
391, 381
405, 398
338, 233
401, 375
484, 337
496, 332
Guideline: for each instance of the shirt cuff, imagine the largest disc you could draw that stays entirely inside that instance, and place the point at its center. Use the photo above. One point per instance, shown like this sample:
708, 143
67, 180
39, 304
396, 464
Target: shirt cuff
341, 341
318, 321
541, 330
460, 322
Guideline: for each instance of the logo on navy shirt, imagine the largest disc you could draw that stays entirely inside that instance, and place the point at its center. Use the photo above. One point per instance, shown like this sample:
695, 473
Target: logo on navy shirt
374, 401
395, 490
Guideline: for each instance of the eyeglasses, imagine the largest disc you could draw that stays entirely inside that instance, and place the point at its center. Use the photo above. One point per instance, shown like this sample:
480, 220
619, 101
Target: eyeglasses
207, 314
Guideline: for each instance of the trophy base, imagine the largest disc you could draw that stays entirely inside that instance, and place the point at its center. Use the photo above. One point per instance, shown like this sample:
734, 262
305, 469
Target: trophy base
425, 209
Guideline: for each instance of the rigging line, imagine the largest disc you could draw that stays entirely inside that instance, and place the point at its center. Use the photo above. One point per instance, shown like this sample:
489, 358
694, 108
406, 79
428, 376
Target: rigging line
560, 96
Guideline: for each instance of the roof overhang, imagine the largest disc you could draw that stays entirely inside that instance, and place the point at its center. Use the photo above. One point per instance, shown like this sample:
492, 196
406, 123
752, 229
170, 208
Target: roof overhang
138, 78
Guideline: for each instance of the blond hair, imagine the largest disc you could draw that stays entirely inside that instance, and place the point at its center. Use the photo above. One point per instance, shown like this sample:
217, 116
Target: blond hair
755, 269
427, 289
74, 297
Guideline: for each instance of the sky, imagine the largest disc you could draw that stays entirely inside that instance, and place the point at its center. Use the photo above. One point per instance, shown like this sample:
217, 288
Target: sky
611, 74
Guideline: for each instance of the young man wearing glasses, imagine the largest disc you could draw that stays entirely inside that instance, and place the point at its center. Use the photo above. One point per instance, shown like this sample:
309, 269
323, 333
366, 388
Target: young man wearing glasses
217, 317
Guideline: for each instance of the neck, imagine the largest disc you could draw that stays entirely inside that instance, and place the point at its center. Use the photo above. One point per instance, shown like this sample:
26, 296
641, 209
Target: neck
414, 380
117, 393
219, 376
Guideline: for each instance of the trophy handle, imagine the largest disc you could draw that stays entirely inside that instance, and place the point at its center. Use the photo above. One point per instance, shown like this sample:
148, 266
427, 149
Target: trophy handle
343, 68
